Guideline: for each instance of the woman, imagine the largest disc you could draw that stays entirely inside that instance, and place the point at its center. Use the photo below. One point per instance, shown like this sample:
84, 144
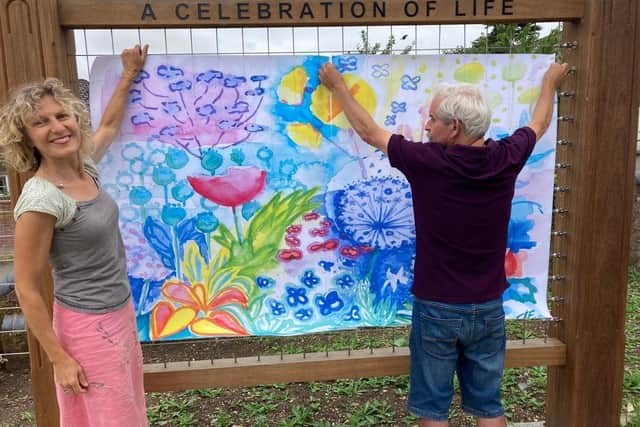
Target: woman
63, 217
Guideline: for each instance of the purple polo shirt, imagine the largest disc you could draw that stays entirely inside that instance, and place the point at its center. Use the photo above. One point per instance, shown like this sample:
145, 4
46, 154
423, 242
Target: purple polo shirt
461, 204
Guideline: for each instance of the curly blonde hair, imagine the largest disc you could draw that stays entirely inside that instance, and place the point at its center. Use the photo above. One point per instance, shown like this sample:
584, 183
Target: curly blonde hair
17, 152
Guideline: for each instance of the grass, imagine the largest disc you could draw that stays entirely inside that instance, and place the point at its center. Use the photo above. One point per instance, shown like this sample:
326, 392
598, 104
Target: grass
631, 382
376, 401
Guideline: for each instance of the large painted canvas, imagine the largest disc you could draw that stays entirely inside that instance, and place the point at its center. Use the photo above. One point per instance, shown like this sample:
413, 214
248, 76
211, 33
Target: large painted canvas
249, 207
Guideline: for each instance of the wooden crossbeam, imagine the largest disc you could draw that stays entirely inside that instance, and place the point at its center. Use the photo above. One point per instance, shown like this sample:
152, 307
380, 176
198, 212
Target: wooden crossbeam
265, 13
322, 366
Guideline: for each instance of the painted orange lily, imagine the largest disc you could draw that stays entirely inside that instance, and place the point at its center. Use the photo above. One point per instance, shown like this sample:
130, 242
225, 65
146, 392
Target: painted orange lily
203, 313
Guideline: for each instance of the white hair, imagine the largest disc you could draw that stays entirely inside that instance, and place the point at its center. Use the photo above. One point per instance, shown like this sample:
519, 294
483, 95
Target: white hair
467, 104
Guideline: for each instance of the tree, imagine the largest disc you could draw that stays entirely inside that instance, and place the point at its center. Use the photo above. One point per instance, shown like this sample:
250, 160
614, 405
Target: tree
364, 47
513, 38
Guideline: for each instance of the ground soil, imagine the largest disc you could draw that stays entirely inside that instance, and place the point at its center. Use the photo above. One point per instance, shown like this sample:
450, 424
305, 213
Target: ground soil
208, 407
16, 404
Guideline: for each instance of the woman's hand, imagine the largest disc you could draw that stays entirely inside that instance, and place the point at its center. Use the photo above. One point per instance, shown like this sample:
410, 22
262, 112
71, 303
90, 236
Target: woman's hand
133, 60
69, 375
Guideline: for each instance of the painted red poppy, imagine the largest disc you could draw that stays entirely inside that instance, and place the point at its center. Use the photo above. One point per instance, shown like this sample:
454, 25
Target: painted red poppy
240, 185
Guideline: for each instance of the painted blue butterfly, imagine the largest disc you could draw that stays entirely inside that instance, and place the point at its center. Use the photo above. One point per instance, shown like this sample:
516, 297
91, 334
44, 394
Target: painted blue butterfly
398, 107
347, 63
410, 83
380, 71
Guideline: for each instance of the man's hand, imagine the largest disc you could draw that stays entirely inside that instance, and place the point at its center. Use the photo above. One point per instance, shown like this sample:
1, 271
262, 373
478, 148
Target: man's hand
541, 117
358, 117
133, 60
555, 74
331, 77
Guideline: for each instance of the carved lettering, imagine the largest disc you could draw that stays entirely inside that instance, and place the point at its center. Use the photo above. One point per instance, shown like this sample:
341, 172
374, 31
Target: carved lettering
148, 12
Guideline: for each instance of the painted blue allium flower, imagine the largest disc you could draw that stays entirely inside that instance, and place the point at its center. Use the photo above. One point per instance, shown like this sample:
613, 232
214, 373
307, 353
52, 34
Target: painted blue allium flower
376, 212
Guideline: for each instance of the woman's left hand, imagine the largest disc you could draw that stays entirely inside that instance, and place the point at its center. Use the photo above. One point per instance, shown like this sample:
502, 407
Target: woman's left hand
133, 60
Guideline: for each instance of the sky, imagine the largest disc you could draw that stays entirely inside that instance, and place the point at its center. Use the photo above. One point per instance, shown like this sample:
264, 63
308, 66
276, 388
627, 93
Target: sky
427, 39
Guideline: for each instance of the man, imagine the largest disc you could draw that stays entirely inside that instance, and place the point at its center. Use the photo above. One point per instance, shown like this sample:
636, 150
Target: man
462, 189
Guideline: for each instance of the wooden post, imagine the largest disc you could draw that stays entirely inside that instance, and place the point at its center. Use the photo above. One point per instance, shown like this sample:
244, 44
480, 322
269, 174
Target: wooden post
32, 47
587, 391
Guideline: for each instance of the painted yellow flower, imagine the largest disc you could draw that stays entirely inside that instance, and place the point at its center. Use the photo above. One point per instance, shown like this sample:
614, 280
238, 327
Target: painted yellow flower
205, 304
329, 111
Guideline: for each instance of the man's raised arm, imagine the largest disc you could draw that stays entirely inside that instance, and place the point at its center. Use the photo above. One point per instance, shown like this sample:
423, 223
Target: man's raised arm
541, 117
358, 117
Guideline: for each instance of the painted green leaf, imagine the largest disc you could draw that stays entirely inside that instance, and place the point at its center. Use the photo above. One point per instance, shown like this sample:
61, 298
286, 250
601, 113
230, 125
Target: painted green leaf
471, 73
514, 71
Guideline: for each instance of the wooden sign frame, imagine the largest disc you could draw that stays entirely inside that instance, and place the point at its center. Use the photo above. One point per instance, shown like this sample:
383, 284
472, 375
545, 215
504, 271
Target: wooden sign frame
586, 358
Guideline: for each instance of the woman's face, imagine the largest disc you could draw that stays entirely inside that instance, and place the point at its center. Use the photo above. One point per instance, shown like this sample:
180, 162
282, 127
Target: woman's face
53, 130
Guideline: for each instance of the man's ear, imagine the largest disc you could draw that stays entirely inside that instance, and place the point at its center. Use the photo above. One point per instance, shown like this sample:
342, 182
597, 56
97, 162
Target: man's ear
456, 127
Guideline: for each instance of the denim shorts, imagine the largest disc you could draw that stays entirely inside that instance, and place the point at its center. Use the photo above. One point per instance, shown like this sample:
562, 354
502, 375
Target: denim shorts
466, 338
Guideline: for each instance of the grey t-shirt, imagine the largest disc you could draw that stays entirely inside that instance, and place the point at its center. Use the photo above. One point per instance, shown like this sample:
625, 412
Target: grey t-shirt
87, 253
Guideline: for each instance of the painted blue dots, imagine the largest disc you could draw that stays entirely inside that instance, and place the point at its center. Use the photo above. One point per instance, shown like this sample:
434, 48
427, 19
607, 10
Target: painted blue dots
329, 303
326, 265
265, 282
296, 296
304, 314
345, 281
277, 308
309, 279
353, 314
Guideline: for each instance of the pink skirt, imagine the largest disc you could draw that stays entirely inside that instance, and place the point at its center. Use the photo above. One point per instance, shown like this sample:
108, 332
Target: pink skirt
107, 347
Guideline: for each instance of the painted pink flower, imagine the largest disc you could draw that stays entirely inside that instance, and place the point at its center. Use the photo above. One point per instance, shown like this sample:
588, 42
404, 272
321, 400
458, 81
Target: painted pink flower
240, 185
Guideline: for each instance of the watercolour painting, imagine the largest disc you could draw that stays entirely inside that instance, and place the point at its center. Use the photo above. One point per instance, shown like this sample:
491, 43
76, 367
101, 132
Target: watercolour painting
249, 207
